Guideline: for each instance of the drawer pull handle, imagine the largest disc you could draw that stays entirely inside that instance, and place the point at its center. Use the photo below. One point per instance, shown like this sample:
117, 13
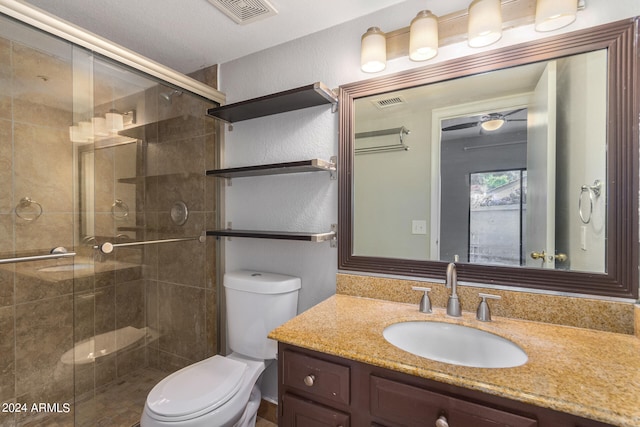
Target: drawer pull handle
442, 421
309, 379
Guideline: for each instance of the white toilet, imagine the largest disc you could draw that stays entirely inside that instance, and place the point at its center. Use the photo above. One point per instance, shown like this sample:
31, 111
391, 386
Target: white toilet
222, 391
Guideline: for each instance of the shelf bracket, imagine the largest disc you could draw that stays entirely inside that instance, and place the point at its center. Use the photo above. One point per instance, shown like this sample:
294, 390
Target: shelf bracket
333, 174
336, 97
336, 103
334, 240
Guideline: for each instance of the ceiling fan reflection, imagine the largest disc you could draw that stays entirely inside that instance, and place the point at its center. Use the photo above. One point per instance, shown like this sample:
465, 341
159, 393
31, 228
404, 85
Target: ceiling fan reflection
488, 122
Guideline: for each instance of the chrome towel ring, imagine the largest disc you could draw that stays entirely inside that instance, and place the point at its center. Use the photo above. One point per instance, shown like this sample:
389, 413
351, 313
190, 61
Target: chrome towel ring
28, 209
594, 192
119, 209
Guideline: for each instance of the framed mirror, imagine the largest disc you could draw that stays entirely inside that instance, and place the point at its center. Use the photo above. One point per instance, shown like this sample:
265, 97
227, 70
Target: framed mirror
521, 163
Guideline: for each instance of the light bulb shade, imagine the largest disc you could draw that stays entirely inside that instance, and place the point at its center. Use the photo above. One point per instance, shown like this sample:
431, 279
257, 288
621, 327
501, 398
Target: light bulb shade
75, 134
423, 36
485, 22
100, 126
86, 130
554, 14
373, 51
114, 122
493, 124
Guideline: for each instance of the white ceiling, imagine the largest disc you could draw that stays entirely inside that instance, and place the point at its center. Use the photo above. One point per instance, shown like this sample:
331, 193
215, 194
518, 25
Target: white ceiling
188, 35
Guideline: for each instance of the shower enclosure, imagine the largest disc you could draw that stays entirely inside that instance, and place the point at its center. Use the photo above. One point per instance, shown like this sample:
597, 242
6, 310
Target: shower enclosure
106, 282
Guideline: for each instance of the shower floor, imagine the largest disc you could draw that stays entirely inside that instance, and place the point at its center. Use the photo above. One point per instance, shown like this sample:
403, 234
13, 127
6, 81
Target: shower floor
119, 403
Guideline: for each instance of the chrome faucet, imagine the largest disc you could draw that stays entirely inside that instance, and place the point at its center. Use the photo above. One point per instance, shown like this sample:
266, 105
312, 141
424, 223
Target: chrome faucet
453, 305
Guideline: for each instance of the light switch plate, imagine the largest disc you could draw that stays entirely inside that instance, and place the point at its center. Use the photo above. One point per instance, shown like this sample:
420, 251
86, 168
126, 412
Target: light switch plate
419, 226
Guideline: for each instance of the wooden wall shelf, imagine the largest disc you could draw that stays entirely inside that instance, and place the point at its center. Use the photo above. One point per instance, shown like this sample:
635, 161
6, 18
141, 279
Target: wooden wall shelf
277, 235
313, 165
294, 99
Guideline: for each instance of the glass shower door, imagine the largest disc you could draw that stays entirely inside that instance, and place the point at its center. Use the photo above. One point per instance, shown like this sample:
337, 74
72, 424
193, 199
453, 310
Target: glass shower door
110, 332
94, 153
36, 216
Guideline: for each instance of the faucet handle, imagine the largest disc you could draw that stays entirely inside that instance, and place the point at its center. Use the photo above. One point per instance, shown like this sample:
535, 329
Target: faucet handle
484, 314
425, 302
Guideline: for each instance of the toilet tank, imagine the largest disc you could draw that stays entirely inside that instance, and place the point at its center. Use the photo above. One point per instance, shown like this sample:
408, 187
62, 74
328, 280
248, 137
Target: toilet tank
258, 302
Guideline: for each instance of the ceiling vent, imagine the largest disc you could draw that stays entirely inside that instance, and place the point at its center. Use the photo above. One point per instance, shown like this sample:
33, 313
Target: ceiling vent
388, 102
245, 11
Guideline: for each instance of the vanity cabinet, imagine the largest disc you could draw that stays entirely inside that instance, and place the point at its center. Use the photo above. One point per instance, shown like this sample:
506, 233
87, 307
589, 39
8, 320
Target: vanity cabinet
317, 389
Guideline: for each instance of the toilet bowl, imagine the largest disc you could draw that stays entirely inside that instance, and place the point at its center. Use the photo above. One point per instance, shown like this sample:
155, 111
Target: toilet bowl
222, 391
213, 392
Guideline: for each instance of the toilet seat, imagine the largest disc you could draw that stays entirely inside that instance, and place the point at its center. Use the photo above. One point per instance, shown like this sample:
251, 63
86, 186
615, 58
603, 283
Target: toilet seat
197, 389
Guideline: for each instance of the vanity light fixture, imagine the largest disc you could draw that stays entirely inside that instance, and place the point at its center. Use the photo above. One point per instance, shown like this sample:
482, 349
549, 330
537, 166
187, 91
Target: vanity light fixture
86, 130
111, 123
480, 24
99, 126
115, 122
423, 36
485, 22
74, 134
554, 14
373, 51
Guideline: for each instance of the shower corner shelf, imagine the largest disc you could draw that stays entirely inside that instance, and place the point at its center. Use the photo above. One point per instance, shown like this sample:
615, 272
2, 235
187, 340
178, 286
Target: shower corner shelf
294, 99
330, 236
312, 165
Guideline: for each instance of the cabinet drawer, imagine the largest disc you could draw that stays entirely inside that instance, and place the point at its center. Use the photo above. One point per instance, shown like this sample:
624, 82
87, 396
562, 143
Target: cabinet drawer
303, 413
316, 378
407, 405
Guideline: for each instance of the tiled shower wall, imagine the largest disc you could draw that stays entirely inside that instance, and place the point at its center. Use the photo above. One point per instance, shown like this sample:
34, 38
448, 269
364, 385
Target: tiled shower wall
181, 278
170, 288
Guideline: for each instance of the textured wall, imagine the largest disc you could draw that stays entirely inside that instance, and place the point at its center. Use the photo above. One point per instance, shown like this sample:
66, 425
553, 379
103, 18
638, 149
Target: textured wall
331, 56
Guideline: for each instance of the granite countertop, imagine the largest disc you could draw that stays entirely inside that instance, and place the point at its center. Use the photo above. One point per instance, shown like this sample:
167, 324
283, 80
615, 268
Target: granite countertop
583, 372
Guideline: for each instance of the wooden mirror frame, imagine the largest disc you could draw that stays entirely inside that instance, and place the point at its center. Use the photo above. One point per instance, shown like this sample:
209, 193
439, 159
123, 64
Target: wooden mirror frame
621, 278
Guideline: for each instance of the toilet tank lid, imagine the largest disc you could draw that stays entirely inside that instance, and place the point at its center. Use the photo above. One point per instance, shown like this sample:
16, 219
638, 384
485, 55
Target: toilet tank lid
259, 282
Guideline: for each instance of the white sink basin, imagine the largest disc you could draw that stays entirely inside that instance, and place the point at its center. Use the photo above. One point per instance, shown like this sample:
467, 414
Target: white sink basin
455, 344
65, 267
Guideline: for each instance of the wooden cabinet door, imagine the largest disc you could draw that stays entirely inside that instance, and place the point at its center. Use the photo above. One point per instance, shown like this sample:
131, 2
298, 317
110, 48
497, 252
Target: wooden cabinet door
298, 412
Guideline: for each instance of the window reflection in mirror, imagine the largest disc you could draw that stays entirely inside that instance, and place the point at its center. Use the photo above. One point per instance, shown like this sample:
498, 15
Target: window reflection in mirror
497, 207
421, 191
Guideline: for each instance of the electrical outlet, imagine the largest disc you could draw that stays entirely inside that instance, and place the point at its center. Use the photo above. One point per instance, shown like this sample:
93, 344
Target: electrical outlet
418, 226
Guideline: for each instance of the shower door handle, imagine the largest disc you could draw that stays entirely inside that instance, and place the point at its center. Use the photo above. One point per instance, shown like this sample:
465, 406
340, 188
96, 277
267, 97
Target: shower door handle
108, 247
55, 253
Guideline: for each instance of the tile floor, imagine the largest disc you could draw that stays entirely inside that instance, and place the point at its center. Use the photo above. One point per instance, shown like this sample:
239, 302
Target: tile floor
118, 404
261, 422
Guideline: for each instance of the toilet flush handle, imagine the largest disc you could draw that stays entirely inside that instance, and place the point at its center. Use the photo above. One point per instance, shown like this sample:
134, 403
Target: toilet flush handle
309, 380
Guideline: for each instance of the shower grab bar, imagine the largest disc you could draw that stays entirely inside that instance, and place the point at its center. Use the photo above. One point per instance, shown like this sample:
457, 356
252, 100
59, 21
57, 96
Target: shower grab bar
55, 253
108, 247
